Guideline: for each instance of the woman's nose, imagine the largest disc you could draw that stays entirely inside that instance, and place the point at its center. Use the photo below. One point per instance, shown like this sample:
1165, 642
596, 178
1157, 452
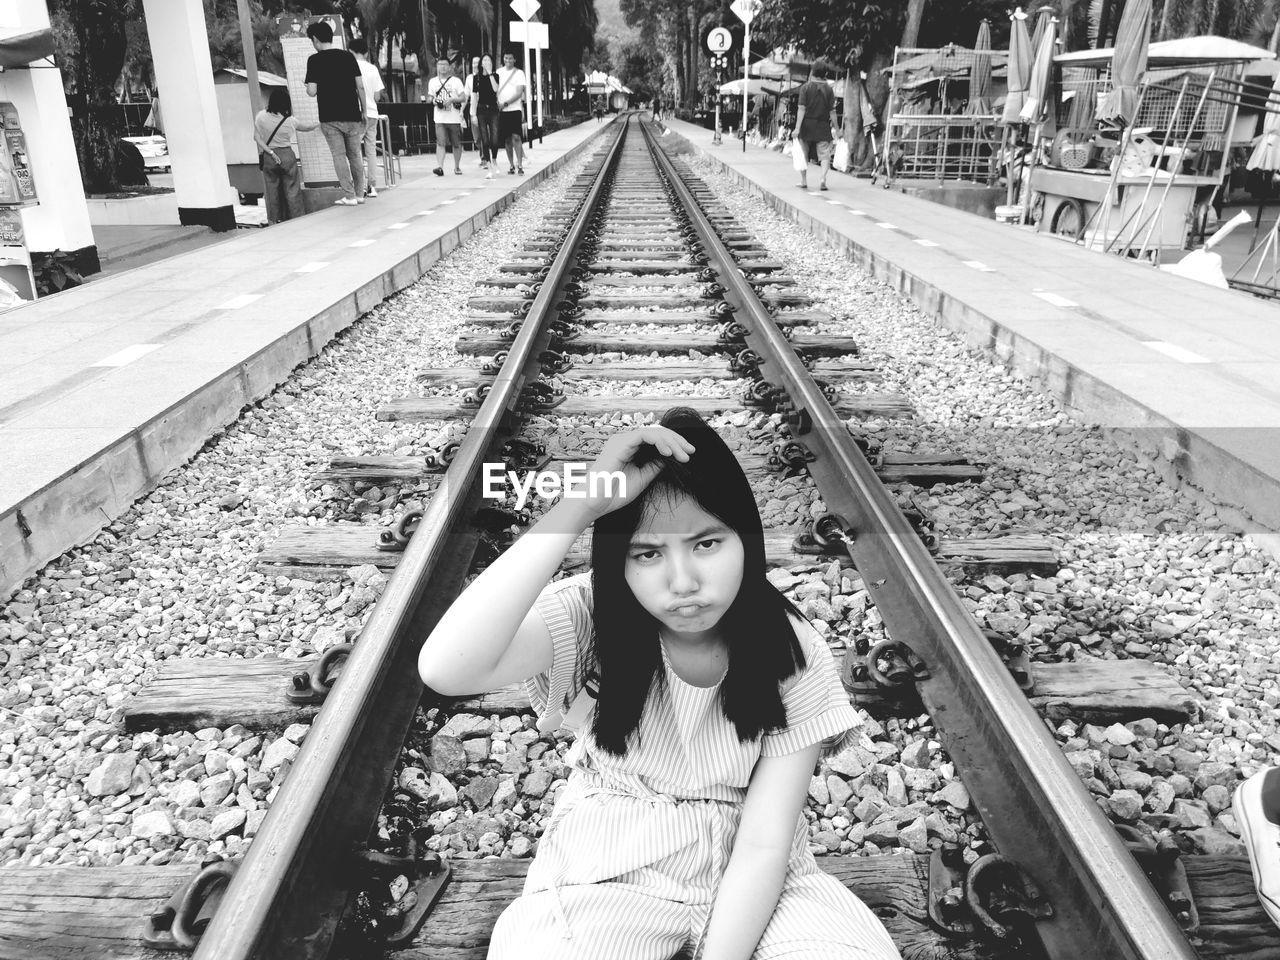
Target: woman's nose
682, 576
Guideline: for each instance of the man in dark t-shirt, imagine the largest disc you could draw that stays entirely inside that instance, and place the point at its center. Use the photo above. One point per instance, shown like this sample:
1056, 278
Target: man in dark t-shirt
333, 78
813, 119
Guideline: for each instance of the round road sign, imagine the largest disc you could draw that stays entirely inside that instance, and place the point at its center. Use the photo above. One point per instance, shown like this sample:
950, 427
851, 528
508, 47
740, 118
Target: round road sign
719, 40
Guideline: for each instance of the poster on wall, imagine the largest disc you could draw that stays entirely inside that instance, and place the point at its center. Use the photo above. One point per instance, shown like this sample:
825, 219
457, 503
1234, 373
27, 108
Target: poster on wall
16, 183
16, 282
313, 152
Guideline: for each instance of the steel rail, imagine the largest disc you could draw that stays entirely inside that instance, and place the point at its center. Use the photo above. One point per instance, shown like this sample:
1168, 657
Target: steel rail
295, 882
1032, 803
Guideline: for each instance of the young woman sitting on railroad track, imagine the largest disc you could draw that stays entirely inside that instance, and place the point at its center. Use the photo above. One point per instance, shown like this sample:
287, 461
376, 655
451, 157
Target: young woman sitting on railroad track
701, 701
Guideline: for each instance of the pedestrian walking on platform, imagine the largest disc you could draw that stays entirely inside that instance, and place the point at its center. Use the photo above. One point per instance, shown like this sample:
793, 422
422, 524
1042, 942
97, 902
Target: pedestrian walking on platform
275, 131
700, 700
814, 124
472, 111
448, 95
511, 87
485, 90
373, 86
333, 78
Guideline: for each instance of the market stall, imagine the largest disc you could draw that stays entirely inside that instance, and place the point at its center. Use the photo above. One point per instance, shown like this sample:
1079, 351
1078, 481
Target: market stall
1134, 170
940, 122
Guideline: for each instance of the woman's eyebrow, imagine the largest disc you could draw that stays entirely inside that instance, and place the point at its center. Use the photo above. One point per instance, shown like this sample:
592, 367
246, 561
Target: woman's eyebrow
709, 531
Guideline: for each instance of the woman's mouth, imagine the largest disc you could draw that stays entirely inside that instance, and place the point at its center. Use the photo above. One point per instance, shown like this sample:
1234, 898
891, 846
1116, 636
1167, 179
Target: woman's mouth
687, 609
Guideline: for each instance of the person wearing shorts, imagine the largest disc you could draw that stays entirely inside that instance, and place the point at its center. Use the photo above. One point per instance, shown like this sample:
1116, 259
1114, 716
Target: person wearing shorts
813, 120
511, 87
448, 94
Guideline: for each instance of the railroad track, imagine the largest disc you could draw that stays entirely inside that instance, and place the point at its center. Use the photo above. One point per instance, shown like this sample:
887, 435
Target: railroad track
613, 265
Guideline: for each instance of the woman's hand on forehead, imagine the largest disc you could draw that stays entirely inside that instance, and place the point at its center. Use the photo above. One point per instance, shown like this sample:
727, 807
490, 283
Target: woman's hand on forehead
619, 456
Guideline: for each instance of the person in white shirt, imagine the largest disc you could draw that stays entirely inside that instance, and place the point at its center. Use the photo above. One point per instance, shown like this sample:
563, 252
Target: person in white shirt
447, 93
373, 86
511, 87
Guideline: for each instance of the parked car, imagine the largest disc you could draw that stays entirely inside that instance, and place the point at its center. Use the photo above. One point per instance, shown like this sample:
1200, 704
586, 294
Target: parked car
154, 150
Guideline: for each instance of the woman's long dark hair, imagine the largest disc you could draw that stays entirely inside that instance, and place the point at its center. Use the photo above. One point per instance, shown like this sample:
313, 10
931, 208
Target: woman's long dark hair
763, 648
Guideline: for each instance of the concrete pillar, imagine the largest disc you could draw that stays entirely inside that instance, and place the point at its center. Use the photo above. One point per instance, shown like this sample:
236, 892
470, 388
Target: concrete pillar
61, 220
184, 77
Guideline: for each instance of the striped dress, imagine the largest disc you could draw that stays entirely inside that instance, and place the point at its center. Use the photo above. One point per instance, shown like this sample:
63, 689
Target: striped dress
631, 858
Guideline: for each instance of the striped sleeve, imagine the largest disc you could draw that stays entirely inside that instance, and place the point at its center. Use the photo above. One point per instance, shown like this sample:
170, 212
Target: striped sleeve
818, 708
565, 607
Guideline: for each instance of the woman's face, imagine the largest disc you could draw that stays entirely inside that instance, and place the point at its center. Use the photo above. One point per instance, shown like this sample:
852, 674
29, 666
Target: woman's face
684, 566
486, 64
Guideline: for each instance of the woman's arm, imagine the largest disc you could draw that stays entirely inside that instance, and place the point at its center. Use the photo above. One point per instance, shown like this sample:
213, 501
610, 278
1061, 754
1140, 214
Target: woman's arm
489, 637
757, 867
799, 120
305, 126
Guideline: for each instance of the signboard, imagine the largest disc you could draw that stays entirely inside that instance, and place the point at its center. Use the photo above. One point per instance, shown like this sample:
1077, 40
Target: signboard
525, 8
314, 157
16, 185
746, 10
16, 280
535, 35
719, 40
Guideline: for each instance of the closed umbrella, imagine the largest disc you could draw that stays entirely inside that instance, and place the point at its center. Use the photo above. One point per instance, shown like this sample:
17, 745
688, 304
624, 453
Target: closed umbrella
1043, 16
1266, 148
1080, 115
1128, 63
1038, 100
980, 75
1019, 66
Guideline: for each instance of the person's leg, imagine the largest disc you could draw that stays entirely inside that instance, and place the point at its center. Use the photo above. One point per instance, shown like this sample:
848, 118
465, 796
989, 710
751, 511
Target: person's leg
337, 149
271, 190
456, 133
818, 918
370, 142
291, 182
824, 158
353, 136
804, 174
440, 144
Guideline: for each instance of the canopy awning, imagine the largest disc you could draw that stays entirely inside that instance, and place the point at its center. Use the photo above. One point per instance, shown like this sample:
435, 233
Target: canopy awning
24, 48
1183, 52
265, 77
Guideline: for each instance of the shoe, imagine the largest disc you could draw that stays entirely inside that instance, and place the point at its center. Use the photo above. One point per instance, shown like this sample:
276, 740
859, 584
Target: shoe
822, 186
512, 170
438, 171
371, 192
458, 171
361, 200
345, 202
1256, 805
520, 171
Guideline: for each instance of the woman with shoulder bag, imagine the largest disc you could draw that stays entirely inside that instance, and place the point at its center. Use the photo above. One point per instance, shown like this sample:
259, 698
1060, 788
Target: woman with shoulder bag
275, 131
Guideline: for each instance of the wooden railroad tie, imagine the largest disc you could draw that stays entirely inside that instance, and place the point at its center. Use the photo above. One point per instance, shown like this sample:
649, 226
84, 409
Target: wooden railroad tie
483, 344
328, 551
60, 913
622, 317
833, 371
601, 301
921, 470
890, 405
191, 694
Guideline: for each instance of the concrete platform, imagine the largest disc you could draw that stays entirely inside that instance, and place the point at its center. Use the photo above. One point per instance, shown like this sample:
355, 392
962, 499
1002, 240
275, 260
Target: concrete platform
107, 387
1191, 372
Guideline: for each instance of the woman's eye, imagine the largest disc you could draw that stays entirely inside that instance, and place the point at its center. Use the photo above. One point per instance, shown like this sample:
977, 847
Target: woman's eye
644, 555
707, 544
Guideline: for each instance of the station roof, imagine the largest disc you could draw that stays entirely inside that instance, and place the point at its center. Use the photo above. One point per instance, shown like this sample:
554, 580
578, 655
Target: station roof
20, 49
1183, 52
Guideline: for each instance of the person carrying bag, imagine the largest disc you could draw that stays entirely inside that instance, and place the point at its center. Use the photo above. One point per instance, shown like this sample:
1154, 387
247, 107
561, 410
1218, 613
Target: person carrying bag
275, 130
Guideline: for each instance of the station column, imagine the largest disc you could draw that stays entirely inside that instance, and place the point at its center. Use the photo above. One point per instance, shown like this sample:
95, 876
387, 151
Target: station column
60, 221
184, 78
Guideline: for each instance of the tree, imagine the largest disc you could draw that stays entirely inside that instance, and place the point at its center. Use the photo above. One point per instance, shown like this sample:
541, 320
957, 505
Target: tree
94, 43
